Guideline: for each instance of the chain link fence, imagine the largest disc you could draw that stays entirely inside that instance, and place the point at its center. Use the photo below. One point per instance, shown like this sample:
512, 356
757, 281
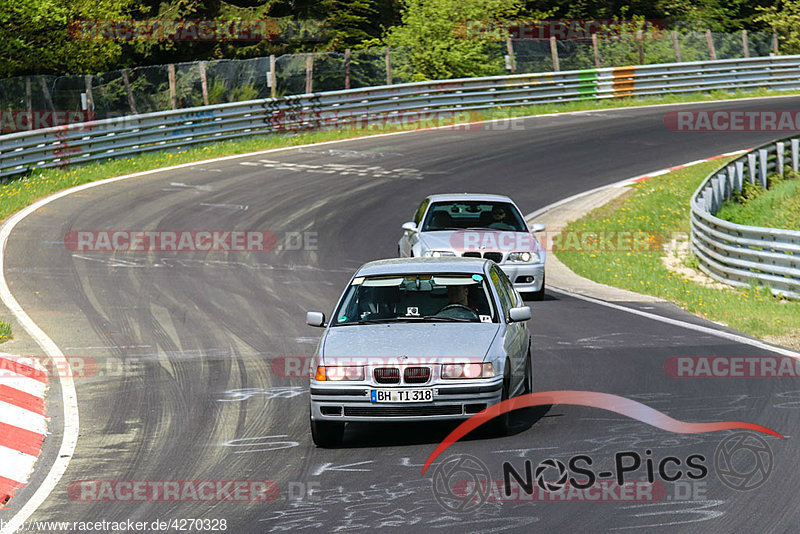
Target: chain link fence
40, 101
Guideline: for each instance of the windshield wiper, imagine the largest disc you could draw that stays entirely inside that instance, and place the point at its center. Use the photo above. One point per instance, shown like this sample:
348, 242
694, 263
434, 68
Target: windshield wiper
449, 319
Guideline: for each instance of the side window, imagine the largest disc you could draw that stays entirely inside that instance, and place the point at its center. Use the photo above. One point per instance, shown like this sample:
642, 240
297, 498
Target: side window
421, 211
497, 280
509, 287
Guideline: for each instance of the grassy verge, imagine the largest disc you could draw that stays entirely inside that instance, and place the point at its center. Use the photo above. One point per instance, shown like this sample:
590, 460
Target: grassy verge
5, 332
777, 207
660, 207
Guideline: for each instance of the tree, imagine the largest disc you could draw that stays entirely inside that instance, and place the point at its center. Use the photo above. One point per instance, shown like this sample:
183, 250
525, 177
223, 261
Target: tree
432, 31
785, 20
35, 37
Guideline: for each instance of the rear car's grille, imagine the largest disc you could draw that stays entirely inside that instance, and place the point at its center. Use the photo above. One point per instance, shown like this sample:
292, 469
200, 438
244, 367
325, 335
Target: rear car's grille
400, 411
496, 257
416, 375
387, 375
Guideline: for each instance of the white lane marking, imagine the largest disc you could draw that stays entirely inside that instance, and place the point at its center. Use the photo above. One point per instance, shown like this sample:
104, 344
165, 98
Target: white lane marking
68, 395
16, 465
71, 421
691, 326
13, 415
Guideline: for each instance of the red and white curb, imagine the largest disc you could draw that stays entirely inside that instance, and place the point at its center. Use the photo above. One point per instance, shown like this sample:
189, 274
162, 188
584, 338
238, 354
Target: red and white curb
23, 422
644, 177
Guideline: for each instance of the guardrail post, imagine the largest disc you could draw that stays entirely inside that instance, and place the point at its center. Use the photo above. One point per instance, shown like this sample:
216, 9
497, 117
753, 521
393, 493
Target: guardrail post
127, 83
676, 46
273, 78
716, 194
711, 51
89, 97
203, 82
172, 89
640, 46
762, 160
347, 69
512, 60
745, 45
751, 164
28, 101
795, 153
389, 67
554, 53
779, 160
309, 73
739, 165
596, 51
731, 180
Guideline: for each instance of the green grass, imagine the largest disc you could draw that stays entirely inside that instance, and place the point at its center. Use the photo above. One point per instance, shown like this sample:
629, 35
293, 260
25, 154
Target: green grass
777, 207
5, 332
660, 207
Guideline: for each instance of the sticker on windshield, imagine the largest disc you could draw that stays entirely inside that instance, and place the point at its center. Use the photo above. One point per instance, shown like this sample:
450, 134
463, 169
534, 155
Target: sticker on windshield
485, 319
477, 277
358, 281
341, 319
412, 311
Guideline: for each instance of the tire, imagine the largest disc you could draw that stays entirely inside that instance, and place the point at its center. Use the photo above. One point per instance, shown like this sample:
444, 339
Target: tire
528, 374
327, 434
500, 425
538, 295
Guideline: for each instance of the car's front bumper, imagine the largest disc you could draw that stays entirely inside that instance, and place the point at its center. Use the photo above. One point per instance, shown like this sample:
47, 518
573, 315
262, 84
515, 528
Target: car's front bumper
526, 277
451, 400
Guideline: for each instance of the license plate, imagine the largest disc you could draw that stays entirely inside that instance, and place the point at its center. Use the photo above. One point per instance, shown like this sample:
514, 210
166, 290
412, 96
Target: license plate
401, 395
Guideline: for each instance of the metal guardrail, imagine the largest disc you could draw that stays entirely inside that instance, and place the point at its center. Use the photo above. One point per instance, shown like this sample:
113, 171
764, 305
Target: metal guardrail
742, 255
135, 134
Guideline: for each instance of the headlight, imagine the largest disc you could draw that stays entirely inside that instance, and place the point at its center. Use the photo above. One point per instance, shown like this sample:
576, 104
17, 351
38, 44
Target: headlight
439, 253
337, 373
468, 370
523, 257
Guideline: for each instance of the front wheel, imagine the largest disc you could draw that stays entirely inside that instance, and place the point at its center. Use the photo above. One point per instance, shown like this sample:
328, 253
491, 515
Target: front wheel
500, 425
327, 434
528, 374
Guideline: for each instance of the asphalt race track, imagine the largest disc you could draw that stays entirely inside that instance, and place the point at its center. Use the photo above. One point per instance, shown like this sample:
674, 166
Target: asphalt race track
184, 342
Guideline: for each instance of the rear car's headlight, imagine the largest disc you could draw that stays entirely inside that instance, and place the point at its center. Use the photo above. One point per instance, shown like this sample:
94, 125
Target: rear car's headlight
337, 373
468, 370
523, 257
439, 253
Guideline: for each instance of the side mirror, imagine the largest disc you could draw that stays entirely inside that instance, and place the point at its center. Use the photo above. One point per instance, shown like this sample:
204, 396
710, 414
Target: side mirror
314, 318
518, 315
410, 227
538, 227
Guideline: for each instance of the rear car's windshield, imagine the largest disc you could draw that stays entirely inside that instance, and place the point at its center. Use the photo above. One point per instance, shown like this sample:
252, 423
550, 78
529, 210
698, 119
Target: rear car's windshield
473, 214
417, 297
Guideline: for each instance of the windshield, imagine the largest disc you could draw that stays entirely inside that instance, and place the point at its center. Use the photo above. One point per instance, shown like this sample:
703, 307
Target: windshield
417, 297
474, 214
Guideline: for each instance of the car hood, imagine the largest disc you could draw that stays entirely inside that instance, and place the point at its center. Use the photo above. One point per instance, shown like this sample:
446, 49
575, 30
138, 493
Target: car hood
426, 341
493, 240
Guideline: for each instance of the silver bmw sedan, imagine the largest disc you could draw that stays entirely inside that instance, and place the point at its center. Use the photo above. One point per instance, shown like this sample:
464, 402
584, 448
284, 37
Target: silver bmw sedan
418, 339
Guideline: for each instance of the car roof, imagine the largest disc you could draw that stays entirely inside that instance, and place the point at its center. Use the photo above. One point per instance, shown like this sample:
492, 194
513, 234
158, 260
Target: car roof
451, 197
423, 265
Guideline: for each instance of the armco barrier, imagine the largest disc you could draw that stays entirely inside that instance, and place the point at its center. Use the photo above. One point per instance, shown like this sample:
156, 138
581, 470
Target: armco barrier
743, 255
114, 138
